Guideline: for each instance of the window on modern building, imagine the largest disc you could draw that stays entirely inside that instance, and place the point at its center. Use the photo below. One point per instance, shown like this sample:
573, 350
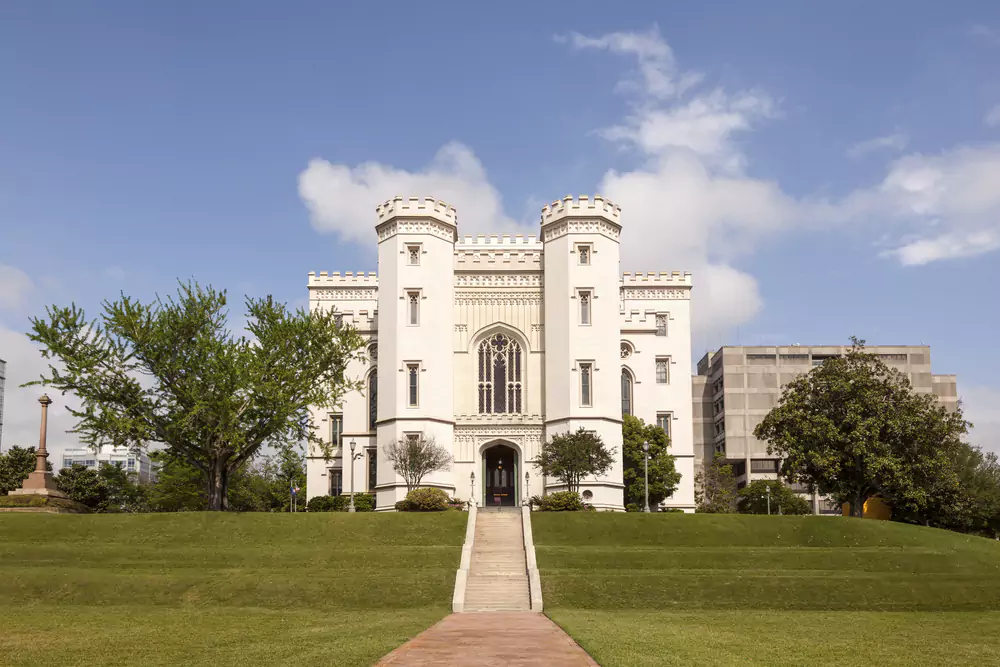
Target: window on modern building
586, 377
663, 420
336, 481
413, 384
67, 463
718, 386
372, 469
413, 255
720, 447
626, 393
585, 307
336, 430
818, 359
499, 375
583, 252
763, 465
372, 399
761, 360
413, 308
739, 468
661, 325
794, 359
663, 370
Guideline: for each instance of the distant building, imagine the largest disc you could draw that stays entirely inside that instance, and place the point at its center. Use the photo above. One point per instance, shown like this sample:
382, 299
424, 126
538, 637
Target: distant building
737, 386
3, 377
129, 460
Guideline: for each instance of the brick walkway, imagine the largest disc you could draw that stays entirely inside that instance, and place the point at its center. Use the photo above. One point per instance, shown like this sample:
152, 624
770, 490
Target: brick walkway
514, 639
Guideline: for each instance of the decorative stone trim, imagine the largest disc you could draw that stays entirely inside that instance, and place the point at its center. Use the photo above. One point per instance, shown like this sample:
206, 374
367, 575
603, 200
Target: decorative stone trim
462, 575
492, 298
432, 227
534, 580
370, 294
655, 293
601, 227
498, 280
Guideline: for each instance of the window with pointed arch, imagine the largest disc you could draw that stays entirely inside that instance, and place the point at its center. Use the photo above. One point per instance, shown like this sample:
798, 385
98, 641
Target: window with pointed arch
372, 399
499, 375
626, 392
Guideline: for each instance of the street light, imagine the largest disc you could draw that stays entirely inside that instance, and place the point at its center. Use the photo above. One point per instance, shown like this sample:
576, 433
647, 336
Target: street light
472, 488
768, 492
527, 476
645, 461
354, 457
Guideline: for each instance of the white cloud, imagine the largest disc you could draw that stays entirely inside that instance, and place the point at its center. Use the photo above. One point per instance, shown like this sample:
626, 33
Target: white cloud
15, 288
981, 406
992, 117
896, 141
343, 199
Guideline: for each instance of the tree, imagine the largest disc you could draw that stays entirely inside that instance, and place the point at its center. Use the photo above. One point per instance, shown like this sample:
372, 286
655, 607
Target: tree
179, 486
971, 507
570, 457
715, 487
83, 485
663, 475
413, 458
171, 372
753, 499
853, 427
15, 466
123, 492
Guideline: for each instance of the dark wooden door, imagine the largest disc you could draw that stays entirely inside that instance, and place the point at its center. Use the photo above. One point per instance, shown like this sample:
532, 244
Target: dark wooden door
500, 476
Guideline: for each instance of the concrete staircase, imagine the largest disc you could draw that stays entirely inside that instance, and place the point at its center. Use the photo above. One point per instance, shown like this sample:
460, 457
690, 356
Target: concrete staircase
498, 575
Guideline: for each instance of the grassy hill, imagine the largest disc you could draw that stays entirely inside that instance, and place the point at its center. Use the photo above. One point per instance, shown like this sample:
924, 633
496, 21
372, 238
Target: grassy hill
211, 589
670, 589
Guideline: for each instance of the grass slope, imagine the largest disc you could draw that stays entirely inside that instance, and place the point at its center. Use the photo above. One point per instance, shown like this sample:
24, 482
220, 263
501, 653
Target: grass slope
209, 589
672, 589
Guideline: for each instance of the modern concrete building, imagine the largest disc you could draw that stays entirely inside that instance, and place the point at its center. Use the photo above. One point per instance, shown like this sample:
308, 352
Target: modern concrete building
3, 378
493, 344
129, 460
736, 386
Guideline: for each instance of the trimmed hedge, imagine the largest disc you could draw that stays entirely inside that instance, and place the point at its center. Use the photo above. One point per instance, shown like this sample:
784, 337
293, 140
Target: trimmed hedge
560, 501
363, 502
424, 500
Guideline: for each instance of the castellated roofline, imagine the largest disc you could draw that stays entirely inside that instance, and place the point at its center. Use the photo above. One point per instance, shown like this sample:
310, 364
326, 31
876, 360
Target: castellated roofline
499, 239
581, 207
417, 207
349, 279
651, 278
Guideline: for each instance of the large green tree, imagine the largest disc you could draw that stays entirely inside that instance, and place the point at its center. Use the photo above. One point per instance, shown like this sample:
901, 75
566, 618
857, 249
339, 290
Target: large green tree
763, 496
854, 427
663, 475
715, 487
569, 457
15, 466
171, 372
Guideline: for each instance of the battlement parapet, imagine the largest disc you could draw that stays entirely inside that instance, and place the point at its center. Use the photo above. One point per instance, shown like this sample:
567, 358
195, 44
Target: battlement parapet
581, 207
651, 278
348, 279
417, 207
516, 240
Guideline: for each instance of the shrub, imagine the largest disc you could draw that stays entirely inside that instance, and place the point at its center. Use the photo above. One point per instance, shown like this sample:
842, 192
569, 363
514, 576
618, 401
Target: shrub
363, 502
320, 504
561, 501
424, 500
632, 507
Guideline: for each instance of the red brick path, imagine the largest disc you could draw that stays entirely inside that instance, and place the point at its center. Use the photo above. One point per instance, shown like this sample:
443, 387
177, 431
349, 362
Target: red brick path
510, 639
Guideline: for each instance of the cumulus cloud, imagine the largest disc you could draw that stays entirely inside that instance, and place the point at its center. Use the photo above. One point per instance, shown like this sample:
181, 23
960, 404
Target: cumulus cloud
896, 142
342, 199
981, 406
15, 287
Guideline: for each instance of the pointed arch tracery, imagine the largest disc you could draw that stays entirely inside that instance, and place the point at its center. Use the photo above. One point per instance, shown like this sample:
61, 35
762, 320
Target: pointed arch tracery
501, 371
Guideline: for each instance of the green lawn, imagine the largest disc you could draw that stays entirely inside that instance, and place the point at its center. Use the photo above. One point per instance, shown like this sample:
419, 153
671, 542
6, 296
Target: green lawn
670, 589
211, 589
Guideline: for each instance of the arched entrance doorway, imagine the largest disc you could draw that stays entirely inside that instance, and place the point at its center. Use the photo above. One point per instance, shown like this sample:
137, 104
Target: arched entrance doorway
500, 466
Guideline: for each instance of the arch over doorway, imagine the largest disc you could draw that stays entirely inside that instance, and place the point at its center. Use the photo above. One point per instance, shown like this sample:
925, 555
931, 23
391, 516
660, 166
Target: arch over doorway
501, 467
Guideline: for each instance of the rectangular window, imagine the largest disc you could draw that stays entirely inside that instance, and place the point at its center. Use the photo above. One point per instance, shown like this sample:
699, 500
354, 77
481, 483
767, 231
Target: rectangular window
585, 307
661, 325
372, 469
413, 255
336, 481
663, 420
413, 384
663, 370
761, 360
336, 430
67, 463
414, 437
130, 465
763, 465
413, 308
583, 252
586, 376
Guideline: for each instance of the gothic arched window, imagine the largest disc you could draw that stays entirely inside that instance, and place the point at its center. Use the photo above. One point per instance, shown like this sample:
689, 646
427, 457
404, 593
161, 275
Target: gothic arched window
372, 399
626, 393
499, 375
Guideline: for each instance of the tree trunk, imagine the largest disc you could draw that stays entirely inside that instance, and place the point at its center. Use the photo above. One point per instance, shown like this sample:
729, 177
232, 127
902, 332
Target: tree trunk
218, 486
858, 506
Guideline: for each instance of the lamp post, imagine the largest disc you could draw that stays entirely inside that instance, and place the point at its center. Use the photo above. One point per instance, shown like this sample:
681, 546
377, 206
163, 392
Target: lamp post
472, 488
768, 493
354, 457
527, 476
645, 462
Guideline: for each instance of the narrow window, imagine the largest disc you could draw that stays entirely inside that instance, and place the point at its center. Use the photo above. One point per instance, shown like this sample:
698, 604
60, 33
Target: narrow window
663, 371
336, 430
626, 393
663, 421
585, 380
413, 255
584, 307
372, 400
661, 325
413, 376
372, 470
583, 252
336, 481
413, 307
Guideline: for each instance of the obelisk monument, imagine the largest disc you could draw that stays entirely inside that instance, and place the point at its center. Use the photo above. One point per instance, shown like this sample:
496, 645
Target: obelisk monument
40, 482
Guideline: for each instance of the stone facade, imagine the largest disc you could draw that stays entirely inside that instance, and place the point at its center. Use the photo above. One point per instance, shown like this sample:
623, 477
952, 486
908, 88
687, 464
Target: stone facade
493, 344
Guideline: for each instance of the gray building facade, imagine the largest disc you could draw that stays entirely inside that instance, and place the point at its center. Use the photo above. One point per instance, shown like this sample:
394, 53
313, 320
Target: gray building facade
736, 386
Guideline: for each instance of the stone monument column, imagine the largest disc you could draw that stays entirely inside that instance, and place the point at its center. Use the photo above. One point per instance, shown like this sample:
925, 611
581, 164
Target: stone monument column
41, 481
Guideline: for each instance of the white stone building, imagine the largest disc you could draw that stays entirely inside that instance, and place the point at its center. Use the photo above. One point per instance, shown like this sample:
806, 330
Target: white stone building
132, 462
493, 344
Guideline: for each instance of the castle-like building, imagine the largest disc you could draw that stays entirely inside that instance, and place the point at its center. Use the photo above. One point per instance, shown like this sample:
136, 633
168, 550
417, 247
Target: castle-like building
491, 345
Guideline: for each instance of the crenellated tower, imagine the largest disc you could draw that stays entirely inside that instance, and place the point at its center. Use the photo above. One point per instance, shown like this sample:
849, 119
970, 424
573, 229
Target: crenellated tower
582, 329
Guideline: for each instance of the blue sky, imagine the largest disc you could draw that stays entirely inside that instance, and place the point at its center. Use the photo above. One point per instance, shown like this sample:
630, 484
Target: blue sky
822, 170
